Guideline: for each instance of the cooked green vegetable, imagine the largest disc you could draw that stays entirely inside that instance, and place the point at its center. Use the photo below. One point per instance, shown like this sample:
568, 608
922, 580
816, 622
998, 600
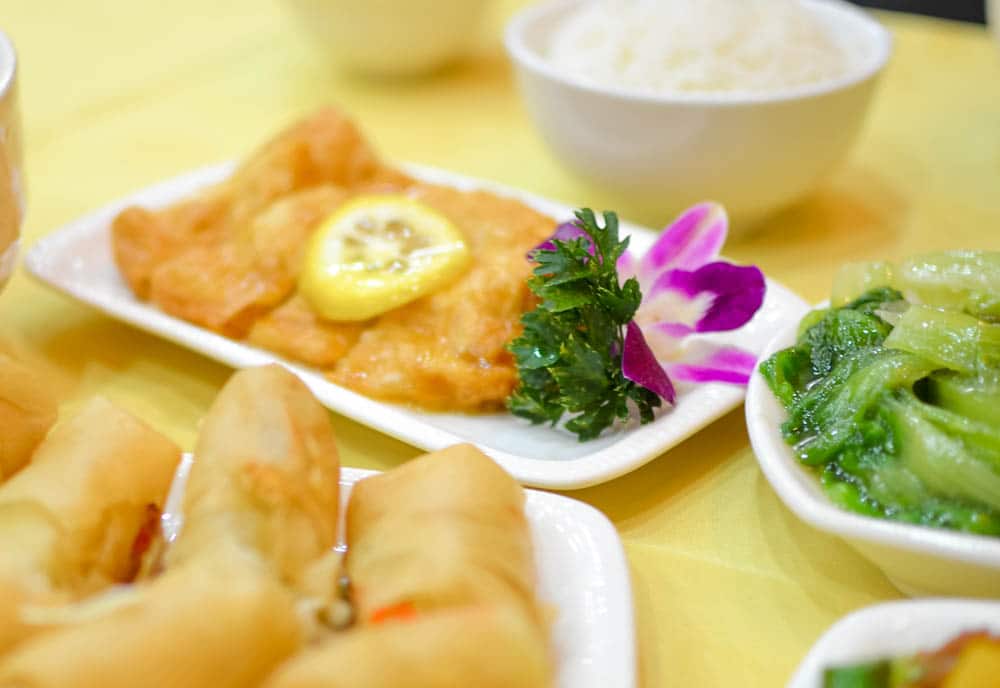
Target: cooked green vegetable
874, 675
897, 405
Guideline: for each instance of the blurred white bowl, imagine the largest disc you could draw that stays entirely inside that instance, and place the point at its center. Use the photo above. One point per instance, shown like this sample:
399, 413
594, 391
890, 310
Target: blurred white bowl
753, 153
893, 629
391, 37
11, 199
919, 560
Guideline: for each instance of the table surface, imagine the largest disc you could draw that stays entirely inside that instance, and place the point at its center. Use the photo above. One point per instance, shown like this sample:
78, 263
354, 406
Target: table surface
730, 588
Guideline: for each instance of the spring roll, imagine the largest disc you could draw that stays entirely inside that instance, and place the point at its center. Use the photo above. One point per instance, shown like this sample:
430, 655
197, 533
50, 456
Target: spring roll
27, 411
482, 647
212, 626
265, 479
69, 521
445, 530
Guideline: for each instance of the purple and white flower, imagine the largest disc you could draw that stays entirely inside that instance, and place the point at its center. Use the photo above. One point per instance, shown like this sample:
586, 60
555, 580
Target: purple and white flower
686, 291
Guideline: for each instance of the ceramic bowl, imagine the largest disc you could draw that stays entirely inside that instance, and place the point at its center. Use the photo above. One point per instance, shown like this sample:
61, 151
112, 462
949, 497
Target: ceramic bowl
754, 153
891, 630
390, 37
919, 560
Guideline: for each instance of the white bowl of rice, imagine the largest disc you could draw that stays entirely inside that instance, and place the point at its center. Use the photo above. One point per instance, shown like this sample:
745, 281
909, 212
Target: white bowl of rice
665, 103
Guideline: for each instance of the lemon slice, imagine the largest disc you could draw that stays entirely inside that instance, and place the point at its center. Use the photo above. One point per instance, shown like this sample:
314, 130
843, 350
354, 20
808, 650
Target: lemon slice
377, 253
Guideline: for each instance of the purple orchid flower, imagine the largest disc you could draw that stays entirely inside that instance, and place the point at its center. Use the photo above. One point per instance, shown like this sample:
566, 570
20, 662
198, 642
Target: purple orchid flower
687, 290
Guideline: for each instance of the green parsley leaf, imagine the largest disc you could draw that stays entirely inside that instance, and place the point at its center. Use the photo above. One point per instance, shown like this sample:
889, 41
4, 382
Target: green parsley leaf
569, 357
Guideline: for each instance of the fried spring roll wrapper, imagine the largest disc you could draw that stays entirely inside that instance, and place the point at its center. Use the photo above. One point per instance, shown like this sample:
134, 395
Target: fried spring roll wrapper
215, 626
265, 478
480, 647
70, 519
32, 553
96, 475
27, 411
444, 530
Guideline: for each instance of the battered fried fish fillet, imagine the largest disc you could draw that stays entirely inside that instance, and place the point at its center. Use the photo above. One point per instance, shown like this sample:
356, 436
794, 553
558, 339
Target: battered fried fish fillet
293, 330
448, 351
228, 283
324, 150
228, 260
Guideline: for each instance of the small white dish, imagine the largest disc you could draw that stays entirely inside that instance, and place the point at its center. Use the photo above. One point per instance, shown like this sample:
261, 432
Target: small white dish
919, 560
891, 630
582, 574
390, 37
77, 260
752, 152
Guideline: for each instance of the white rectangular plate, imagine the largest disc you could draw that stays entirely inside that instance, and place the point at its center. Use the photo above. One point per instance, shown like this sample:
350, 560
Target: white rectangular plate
77, 260
582, 574
893, 629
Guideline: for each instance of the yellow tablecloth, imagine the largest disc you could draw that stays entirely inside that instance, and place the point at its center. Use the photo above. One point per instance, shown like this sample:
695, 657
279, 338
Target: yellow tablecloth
730, 588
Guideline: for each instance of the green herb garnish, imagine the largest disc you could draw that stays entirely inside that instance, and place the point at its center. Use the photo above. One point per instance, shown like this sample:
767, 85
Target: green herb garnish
569, 358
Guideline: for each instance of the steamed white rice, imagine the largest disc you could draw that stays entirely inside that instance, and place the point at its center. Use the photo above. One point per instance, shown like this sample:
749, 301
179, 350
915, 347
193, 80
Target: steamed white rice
692, 46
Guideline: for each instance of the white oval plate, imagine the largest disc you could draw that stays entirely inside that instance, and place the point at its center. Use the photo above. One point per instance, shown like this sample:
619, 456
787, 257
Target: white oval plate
582, 574
77, 260
891, 630
919, 560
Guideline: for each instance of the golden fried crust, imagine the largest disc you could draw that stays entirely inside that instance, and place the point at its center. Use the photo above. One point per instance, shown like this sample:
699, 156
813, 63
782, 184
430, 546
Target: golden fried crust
326, 148
267, 476
27, 410
233, 269
444, 531
484, 647
293, 330
448, 351
143, 239
196, 627
96, 473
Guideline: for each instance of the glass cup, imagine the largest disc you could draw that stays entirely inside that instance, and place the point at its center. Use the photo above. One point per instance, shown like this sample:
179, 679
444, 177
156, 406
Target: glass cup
11, 195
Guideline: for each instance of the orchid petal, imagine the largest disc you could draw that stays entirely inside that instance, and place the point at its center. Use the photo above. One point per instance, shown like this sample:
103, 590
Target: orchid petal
641, 367
690, 241
731, 365
735, 293
567, 231
626, 266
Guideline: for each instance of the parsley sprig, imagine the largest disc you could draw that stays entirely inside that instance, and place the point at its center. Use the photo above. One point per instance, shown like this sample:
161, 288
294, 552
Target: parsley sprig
569, 357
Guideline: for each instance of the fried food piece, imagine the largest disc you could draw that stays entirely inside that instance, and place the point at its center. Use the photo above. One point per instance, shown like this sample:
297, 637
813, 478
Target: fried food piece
279, 233
229, 259
27, 411
210, 626
478, 646
293, 330
143, 239
69, 520
266, 477
326, 148
448, 351
323, 150
445, 530
226, 286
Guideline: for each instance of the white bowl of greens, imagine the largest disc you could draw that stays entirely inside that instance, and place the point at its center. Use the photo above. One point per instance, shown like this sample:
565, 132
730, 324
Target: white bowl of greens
886, 429
895, 638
